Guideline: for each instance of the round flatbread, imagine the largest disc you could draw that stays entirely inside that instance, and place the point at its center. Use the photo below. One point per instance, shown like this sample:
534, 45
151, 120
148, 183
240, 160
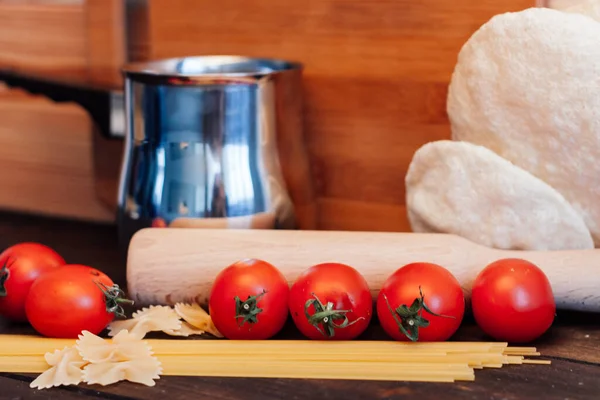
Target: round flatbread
468, 190
527, 86
591, 8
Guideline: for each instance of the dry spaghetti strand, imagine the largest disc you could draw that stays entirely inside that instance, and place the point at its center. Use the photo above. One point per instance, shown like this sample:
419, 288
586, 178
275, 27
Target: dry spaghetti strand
304, 359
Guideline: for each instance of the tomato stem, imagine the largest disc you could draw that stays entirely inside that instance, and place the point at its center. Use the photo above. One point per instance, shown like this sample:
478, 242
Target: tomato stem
4, 275
325, 315
113, 298
410, 319
248, 310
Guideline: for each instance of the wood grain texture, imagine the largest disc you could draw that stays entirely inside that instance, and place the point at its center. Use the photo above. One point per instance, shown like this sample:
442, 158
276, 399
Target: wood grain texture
138, 39
563, 379
560, 381
46, 154
195, 257
106, 41
571, 343
81, 40
75, 40
19, 389
44, 36
375, 81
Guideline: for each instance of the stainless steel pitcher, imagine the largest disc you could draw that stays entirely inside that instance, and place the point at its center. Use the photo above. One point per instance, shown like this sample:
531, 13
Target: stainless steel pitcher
201, 144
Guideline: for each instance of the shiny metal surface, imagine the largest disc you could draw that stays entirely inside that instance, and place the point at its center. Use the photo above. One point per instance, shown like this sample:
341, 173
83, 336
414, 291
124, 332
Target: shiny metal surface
117, 115
201, 144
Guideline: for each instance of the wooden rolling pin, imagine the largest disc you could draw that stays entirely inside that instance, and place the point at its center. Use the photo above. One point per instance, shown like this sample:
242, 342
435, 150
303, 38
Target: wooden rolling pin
170, 265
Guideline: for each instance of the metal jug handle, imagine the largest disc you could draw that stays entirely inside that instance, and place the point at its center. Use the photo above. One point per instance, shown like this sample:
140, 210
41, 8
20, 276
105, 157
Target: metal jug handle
105, 107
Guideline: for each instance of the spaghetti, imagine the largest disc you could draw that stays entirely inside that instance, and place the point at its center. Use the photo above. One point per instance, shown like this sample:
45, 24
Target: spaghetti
303, 359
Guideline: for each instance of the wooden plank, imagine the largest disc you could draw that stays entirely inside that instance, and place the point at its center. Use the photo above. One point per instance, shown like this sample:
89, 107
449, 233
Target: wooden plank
76, 40
80, 40
574, 337
46, 153
19, 389
106, 41
365, 215
46, 37
138, 36
564, 378
559, 381
376, 81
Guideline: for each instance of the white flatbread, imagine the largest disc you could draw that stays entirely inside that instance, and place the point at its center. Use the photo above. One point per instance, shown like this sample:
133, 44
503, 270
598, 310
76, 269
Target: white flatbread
527, 86
468, 190
591, 8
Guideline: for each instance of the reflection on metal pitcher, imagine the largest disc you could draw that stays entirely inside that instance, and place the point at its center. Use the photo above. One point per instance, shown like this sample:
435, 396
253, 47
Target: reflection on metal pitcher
201, 149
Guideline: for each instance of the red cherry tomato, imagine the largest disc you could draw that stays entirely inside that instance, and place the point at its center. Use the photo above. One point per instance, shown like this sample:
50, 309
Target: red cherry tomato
249, 300
421, 301
159, 223
512, 301
21, 265
331, 301
64, 302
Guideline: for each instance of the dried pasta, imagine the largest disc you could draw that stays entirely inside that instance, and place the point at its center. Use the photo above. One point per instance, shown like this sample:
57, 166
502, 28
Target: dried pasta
126, 357
167, 320
197, 317
124, 346
142, 370
153, 318
65, 369
302, 359
185, 330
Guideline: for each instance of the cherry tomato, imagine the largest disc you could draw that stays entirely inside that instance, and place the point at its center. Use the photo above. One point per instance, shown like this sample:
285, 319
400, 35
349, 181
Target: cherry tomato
512, 301
331, 301
21, 265
64, 302
159, 223
249, 300
421, 302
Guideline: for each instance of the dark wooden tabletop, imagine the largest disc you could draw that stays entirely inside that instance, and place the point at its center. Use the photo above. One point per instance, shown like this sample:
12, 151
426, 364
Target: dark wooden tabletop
573, 345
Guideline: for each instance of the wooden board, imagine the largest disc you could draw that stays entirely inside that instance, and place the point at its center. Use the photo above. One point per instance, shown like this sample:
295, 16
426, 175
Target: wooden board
46, 158
81, 40
106, 41
49, 148
44, 36
375, 83
572, 345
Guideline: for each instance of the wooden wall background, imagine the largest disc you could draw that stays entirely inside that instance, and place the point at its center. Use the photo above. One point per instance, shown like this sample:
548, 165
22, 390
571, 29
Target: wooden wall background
46, 148
375, 81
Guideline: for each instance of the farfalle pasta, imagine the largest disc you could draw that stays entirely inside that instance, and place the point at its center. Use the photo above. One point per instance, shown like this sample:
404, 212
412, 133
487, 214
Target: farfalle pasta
124, 346
94, 360
65, 369
151, 319
196, 321
126, 357
143, 370
185, 330
197, 317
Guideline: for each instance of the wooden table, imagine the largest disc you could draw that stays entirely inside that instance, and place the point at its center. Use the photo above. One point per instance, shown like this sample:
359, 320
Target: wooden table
573, 345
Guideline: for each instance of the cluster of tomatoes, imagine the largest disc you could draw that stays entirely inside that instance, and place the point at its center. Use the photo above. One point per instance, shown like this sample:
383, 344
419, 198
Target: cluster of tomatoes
58, 299
511, 300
